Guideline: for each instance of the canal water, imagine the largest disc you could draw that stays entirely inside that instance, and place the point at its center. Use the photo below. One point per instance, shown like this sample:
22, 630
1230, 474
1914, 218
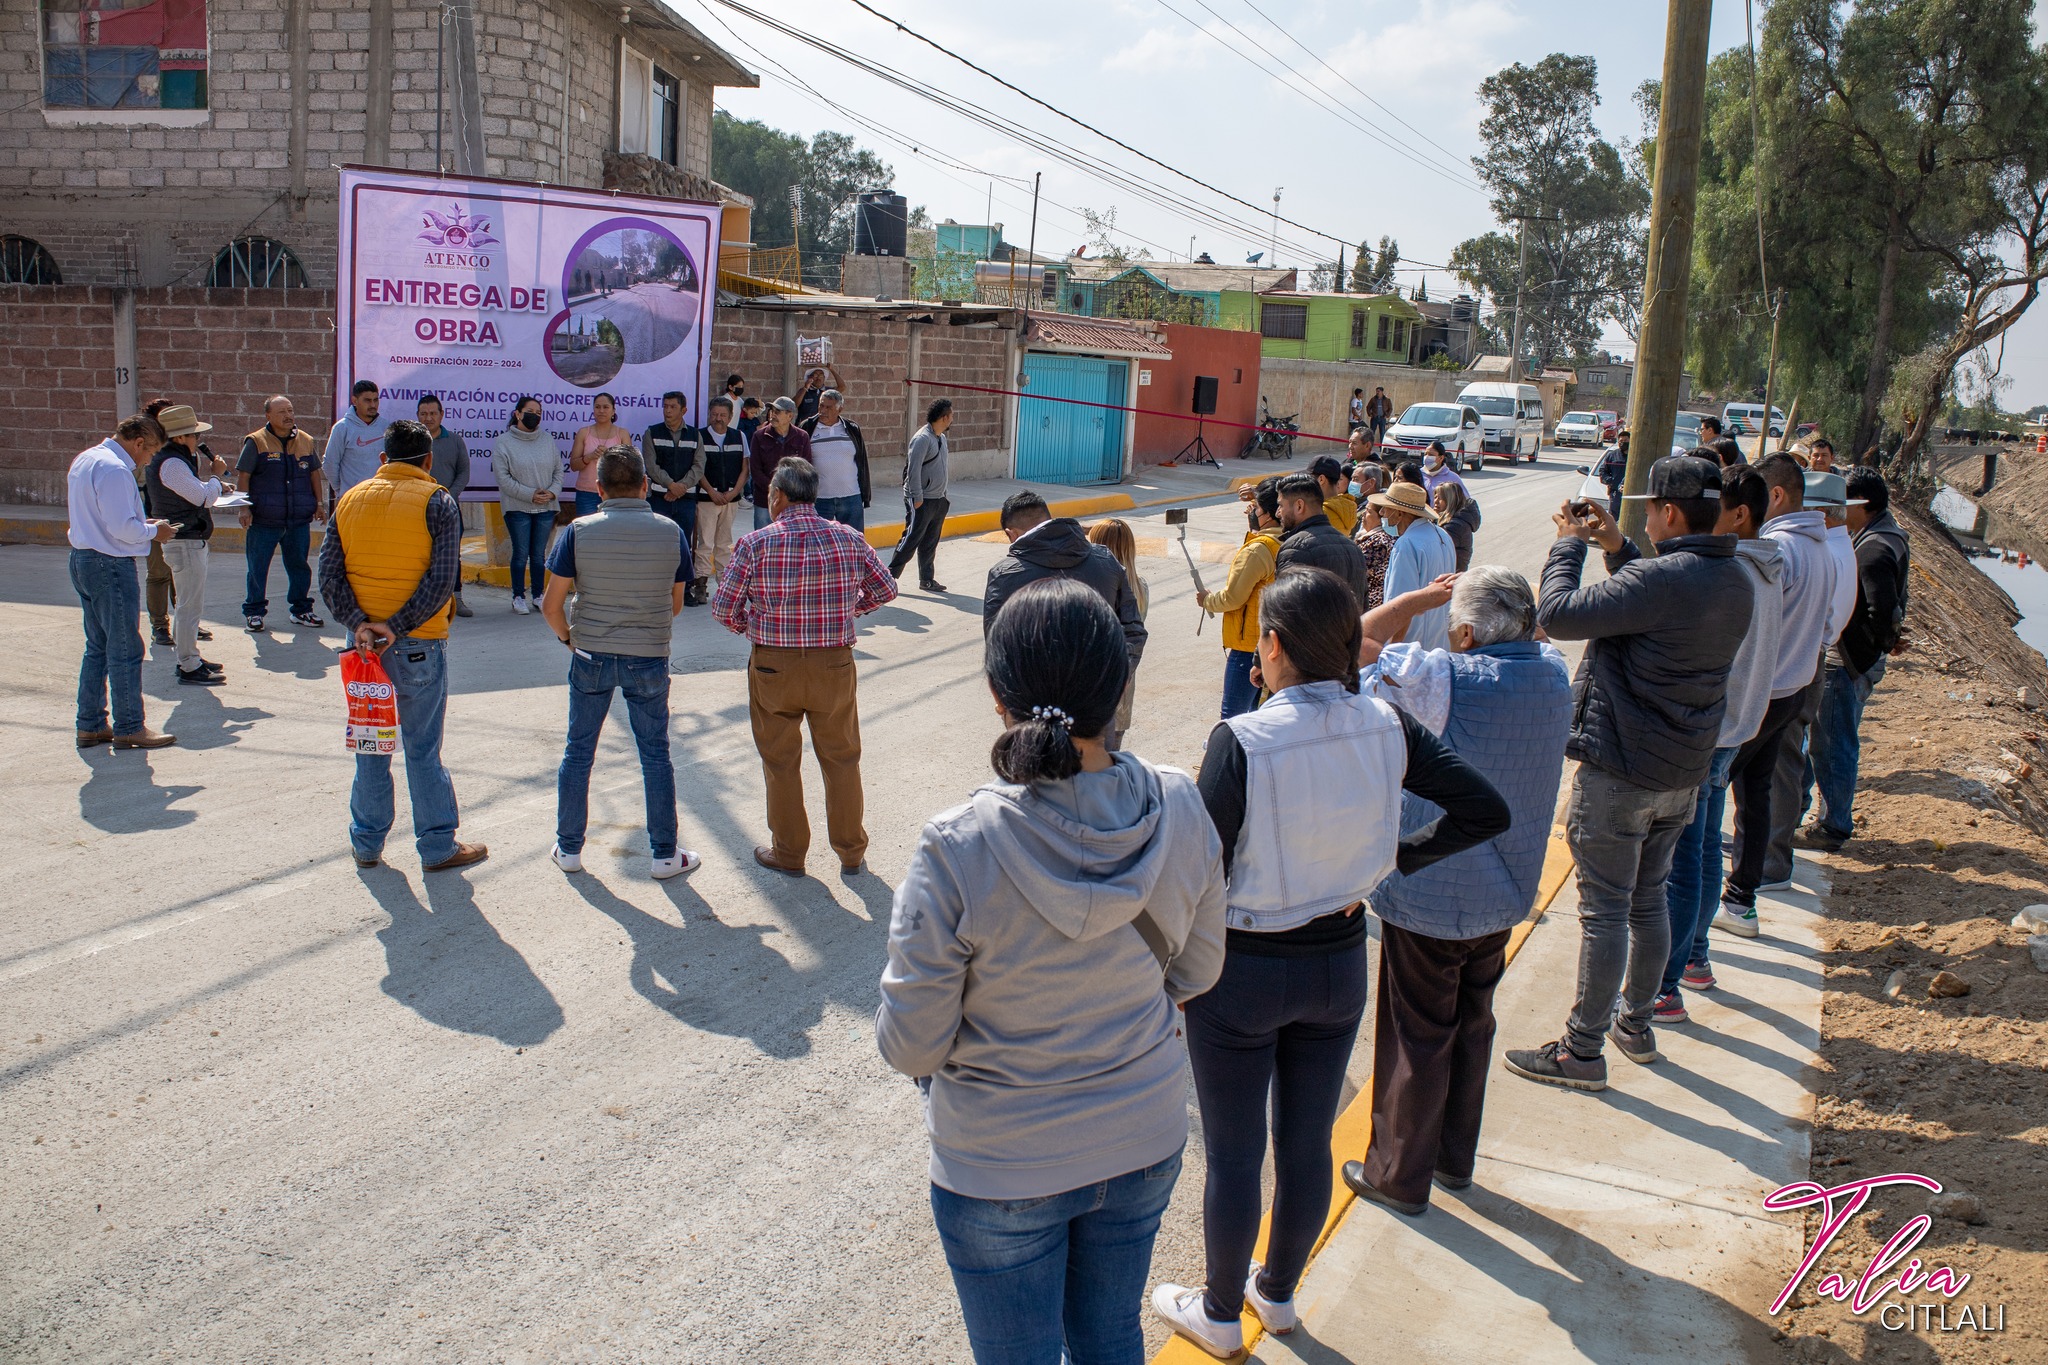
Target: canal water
2027, 585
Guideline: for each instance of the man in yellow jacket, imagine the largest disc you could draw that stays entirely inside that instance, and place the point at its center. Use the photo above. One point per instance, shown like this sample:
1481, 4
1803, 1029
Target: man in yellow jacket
388, 569
1238, 600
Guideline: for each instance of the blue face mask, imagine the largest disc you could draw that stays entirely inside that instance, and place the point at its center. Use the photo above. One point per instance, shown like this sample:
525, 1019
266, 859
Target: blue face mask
1356, 489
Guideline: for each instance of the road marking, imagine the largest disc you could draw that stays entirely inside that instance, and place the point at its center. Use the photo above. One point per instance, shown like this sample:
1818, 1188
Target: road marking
1352, 1133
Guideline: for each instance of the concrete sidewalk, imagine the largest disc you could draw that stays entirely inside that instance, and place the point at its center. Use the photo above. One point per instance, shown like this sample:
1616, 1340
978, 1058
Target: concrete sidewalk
1625, 1226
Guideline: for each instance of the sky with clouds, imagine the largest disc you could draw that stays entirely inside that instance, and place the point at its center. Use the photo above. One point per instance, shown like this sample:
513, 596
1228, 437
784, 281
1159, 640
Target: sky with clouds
1380, 144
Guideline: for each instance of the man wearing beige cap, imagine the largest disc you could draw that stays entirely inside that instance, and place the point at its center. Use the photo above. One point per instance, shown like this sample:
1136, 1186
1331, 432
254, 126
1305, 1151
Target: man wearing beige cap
1422, 554
184, 482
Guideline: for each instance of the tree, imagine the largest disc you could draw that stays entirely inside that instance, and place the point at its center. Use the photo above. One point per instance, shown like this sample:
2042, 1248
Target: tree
827, 172
1544, 158
1375, 276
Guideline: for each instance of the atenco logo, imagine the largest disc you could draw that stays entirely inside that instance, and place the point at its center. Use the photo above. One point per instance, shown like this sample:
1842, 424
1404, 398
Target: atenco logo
376, 691
1842, 1203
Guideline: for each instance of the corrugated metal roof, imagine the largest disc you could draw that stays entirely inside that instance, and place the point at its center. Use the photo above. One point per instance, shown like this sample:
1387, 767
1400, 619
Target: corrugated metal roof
1103, 335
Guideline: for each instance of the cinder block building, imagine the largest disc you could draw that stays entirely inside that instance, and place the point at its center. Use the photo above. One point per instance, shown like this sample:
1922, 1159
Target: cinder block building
176, 161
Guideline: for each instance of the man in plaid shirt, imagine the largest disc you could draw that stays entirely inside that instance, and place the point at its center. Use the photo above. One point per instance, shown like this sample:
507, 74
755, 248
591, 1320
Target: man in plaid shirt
793, 589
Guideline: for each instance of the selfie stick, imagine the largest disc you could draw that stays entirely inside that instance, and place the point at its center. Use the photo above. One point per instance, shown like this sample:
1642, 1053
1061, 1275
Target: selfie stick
1200, 591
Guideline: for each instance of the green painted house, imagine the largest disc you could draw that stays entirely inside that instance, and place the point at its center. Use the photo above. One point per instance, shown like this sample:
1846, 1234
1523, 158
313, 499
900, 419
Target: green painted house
1299, 325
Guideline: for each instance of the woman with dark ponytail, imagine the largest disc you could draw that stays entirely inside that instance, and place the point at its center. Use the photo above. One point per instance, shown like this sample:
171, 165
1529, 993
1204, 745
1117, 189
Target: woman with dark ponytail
1042, 936
1305, 793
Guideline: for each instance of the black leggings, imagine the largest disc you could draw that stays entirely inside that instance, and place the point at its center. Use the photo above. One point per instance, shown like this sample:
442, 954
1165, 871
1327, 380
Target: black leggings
1749, 782
1284, 1025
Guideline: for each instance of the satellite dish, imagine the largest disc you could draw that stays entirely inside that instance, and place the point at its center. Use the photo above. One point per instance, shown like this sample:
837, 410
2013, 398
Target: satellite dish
1254, 258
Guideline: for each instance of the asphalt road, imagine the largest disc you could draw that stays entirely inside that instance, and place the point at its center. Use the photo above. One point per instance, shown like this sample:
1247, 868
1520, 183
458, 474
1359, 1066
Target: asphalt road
256, 1104
653, 318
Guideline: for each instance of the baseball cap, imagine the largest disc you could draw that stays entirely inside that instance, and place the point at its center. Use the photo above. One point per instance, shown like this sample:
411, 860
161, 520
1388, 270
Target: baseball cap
783, 405
1827, 488
1681, 476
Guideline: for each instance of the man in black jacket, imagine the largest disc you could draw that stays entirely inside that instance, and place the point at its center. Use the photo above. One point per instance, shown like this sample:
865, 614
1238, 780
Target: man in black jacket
1309, 541
1856, 663
669, 453
1045, 546
840, 453
1649, 698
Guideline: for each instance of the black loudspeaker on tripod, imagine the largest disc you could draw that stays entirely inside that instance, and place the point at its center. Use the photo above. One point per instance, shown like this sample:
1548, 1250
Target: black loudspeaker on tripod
1197, 451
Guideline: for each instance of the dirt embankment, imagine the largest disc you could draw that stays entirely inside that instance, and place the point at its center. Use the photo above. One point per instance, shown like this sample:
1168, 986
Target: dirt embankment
2018, 500
1951, 812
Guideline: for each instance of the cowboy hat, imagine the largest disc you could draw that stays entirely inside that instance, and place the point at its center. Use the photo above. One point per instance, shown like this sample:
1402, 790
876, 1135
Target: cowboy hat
1404, 497
180, 420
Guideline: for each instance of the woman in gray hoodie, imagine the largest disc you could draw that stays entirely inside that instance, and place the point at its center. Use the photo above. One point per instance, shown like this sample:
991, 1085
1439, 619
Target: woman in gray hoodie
528, 466
1042, 937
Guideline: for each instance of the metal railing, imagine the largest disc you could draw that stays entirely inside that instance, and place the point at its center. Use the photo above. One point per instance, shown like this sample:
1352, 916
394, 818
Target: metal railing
753, 271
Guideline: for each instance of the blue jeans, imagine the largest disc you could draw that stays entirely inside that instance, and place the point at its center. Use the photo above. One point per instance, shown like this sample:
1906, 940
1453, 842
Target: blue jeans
259, 543
1693, 893
110, 593
530, 533
761, 517
1066, 1270
592, 680
1834, 747
419, 673
846, 511
586, 502
1239, 696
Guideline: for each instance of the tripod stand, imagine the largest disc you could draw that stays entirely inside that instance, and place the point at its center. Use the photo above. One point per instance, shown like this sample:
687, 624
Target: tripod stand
1196, 451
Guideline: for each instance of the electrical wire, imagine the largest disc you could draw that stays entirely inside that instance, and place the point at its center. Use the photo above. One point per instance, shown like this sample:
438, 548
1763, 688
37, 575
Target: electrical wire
1172, 200
1308, 90
1082, 123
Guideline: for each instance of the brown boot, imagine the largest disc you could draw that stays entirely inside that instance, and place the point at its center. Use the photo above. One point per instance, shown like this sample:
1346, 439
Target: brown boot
145, 738
765, 856
88, 738
463, 856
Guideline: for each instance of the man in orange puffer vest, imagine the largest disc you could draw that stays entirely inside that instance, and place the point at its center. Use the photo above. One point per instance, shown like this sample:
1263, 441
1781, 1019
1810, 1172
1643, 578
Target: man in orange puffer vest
388, 569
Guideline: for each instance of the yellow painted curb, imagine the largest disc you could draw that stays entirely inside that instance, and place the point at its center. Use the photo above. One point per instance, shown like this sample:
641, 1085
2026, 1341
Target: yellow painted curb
884, 535
1352, 1133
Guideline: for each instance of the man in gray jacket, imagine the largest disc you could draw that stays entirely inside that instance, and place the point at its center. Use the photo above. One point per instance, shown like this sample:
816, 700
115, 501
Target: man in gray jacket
924, 497
451, 466
1650, 696
618, 561
1807, 589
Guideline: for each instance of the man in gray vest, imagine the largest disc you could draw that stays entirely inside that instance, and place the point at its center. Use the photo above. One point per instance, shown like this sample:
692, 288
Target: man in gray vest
618, 561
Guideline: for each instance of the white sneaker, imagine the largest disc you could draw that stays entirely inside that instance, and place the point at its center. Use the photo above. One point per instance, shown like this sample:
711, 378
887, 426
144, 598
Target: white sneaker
1782, 884
684, 861
1736, 919
568, 862
1183, 1311
520, 605
1279, 1318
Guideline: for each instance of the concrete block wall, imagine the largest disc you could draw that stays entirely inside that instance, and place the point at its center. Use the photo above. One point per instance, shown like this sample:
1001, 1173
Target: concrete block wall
149, 205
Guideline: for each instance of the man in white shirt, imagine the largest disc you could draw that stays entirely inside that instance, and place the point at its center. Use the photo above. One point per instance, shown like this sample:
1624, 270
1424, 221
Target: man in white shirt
841, 456
108, 533
355, 444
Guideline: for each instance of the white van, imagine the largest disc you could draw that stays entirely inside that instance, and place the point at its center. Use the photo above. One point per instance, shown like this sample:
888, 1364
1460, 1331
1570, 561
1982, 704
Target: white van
1744, 419
1511, 419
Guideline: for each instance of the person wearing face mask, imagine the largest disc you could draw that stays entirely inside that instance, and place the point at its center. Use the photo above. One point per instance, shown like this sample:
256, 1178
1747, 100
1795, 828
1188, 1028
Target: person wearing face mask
528, 466
1373, 539
1237, 601
1422, 554
1436, 469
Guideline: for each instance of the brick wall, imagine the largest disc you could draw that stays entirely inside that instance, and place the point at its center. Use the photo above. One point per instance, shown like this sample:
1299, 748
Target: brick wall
226, 350
222, 350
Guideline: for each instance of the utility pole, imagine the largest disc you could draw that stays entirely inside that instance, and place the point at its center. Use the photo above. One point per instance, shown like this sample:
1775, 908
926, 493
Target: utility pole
1763, 442
1032, 250
1660, 346
1521, 287
1274, 259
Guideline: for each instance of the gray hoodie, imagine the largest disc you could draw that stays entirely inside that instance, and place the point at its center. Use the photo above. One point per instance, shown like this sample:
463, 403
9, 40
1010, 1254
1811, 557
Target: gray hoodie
1756, 658
1020, 989
524, 462
1808, 583
924, 469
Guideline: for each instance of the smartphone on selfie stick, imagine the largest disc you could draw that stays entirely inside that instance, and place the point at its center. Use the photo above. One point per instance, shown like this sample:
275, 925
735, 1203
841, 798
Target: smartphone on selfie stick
1178, 516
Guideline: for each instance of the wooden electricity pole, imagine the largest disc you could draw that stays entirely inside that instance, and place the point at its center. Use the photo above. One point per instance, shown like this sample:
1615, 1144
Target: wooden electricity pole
1660, 347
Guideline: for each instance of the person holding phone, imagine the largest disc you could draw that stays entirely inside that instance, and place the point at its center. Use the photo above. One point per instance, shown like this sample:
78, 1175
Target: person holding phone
388, 568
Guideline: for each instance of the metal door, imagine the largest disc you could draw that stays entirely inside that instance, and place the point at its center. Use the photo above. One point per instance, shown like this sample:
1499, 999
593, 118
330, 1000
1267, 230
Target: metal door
1067, 442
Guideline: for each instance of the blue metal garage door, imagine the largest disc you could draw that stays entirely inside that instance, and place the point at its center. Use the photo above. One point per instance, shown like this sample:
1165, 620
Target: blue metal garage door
1065, 442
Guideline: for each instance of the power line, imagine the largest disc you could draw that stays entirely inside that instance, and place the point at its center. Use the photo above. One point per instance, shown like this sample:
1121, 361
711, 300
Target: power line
1082, 123
1315, 95
1172, 200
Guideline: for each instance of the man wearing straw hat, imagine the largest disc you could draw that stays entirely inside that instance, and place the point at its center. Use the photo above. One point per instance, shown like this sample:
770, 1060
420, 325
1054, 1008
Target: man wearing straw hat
184, 481
1422, 554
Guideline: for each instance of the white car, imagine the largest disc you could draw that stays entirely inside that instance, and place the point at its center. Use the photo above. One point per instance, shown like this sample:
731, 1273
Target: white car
1455, 424
1577, 429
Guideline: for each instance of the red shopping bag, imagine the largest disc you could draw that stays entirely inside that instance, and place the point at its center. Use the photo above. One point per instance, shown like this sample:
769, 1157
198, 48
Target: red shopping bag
372, 726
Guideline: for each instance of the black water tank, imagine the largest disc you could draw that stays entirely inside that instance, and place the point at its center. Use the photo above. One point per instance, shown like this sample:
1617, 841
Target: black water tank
881, 223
